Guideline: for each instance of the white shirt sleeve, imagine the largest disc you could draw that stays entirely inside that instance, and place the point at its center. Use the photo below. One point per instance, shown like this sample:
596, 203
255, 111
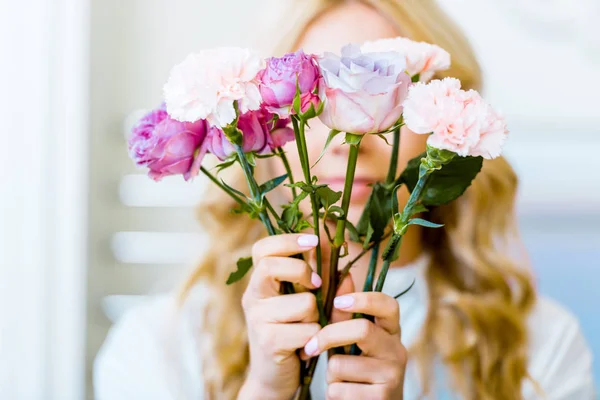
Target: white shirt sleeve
150, 354
560, 358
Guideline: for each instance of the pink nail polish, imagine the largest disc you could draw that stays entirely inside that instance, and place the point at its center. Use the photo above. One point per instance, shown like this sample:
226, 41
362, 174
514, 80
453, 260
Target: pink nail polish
311, 347
343, 302
308, 240
316, 280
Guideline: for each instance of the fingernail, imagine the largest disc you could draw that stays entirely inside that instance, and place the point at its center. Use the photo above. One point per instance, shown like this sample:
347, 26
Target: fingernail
343, 301
316, 280
311, 347
308, 240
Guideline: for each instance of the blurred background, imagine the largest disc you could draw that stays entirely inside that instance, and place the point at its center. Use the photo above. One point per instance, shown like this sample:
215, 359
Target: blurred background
84, 236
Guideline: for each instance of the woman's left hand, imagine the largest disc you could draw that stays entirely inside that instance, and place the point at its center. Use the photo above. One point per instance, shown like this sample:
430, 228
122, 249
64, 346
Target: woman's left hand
379, 372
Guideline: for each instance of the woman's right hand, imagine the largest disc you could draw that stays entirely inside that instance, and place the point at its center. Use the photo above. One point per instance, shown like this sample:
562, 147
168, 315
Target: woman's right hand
278, 325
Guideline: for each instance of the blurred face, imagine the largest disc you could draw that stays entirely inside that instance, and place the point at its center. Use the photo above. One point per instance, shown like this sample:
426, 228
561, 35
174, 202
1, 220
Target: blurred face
351, 23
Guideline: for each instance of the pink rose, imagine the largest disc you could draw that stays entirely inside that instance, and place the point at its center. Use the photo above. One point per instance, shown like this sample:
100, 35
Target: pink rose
258, 135
205, 85
168, 147
459, 121
277, 82
423, 59
363, 93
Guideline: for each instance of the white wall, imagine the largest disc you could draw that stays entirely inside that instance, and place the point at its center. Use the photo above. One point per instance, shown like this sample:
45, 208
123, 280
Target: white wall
43, 166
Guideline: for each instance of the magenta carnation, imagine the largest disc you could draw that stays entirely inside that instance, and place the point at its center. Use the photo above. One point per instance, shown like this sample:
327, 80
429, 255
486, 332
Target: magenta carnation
167, 147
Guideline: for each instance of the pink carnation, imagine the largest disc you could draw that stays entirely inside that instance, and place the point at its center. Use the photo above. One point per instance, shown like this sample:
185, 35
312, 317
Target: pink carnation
205, 85
459, 121
493, 135
422, 58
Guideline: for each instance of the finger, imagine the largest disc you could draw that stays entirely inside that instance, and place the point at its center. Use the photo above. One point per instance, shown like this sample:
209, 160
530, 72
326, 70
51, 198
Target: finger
346, 287
344, 368
281, 338
345, 390
271, 271
370, 338
283, 245
384, 308
299, 307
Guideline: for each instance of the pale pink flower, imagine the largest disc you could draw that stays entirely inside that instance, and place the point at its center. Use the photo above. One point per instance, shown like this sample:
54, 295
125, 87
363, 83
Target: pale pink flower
363, 93
422, 58
422, 108
493, 135
206, 84
459, 121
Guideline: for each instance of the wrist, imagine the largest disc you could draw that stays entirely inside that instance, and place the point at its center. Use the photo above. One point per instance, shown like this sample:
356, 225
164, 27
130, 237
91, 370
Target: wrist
254, 390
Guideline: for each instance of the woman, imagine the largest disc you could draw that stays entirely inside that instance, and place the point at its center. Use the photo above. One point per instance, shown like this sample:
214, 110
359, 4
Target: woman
472, 326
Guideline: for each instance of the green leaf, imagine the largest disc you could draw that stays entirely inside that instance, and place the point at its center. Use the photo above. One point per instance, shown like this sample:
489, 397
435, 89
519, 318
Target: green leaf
419, 208
234, 190
384, 139
290, 216
243, 266
333, 133
395, 200
326, 196
445, 184
302, 225
376, 214
264, 156
272, 184
351, 229
297, 103
336, 211
422, 222
251, 157
369, 236
353, 139
416, 78
226, 164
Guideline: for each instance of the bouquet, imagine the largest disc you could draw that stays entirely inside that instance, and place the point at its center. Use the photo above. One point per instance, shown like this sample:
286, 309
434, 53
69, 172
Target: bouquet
232, 104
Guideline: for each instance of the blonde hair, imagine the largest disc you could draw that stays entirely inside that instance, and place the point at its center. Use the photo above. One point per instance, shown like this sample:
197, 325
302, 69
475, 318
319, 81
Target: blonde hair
479, 296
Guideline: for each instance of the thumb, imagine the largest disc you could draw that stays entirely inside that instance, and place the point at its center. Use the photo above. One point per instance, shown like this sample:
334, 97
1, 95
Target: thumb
346, 287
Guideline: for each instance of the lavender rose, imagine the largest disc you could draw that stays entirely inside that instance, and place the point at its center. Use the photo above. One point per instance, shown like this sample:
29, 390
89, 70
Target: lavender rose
277, 82
363, 93
259, 135
168, 147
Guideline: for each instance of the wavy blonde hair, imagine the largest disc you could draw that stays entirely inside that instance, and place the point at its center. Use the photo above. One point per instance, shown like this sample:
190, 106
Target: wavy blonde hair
479, 296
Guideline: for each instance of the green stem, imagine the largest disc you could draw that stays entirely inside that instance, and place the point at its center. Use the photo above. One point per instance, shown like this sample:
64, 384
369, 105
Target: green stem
288, 170
344, 272
391, 176
396, 239
299, 133
233, 195
259, 204
340, 233
367, 287
370, 278
393, 243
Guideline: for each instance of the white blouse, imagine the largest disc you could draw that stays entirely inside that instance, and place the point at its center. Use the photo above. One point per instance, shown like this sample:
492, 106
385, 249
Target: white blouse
152, 352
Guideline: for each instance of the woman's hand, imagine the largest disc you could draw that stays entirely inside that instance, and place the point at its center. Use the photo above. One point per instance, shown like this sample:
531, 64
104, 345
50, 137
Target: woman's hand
379, 372
278, 325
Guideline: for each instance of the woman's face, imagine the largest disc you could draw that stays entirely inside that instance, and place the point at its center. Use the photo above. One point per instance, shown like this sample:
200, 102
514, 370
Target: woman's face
350, 23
